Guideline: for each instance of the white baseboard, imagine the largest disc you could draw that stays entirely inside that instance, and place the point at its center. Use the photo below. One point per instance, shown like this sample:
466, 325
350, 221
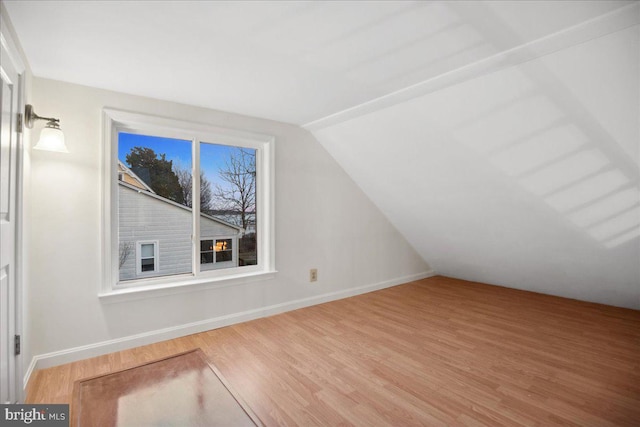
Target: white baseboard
55, 358
27, 375
345, 293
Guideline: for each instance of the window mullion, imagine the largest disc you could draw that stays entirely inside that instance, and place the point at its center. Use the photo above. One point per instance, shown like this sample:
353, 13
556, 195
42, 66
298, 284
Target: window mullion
195, 203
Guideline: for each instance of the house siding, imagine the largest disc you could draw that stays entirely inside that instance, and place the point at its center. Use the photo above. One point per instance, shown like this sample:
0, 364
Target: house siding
146, 218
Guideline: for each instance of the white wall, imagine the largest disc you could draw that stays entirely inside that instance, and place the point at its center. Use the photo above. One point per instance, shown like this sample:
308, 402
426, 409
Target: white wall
323, 220
523, 171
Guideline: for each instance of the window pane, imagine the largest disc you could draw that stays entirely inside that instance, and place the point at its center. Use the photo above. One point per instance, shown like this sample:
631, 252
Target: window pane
146, 250
206, 258
223, 256
206, 245
154, 203
223, 245
224, 251
147, 264
228, 201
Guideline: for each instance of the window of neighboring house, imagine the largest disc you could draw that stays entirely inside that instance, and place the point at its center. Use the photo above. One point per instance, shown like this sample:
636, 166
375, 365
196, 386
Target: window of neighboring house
146, 257
216, 252
172, 180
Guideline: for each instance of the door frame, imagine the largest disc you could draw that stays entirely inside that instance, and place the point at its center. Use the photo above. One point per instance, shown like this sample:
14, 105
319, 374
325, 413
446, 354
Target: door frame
8, 43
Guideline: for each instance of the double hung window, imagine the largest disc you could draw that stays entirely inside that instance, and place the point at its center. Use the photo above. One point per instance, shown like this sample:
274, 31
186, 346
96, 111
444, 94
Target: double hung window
146, 257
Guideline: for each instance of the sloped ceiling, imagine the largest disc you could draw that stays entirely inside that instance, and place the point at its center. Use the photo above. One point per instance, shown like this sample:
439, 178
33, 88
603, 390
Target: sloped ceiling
521, 170
501, 138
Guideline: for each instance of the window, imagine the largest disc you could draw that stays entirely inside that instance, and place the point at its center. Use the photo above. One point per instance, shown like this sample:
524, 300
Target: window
146, 257
228, 193
218, 253
169, 181
154, 205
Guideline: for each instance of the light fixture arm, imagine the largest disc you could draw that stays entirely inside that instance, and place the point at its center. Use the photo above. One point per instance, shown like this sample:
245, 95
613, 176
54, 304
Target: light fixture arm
30, 117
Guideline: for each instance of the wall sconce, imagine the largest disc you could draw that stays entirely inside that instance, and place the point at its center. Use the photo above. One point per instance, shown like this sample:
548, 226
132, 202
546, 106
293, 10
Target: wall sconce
51, 137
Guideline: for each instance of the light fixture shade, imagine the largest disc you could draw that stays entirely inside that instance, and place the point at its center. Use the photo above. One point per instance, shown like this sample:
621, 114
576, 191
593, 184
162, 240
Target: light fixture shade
51, 139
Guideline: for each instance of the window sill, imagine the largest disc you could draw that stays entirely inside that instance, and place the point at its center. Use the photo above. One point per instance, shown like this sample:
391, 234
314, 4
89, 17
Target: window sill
181, 286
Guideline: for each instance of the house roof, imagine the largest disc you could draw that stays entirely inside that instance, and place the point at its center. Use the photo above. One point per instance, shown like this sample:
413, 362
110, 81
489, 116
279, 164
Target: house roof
131, 178
178, 205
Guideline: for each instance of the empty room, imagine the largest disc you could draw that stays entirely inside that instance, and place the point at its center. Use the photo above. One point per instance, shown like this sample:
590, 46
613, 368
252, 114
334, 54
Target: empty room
320, 213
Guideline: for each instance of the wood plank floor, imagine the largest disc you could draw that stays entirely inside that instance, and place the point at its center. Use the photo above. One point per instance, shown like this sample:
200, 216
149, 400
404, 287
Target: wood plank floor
438, 351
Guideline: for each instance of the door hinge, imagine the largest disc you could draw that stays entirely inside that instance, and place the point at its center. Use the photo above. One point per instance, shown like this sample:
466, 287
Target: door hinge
19, 123
17, 345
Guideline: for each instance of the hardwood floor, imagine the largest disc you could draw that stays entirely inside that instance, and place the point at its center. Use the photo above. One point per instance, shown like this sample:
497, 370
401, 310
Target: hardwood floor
434, 352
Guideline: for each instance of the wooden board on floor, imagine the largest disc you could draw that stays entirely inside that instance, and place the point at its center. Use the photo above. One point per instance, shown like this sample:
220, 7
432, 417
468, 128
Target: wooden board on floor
179, 390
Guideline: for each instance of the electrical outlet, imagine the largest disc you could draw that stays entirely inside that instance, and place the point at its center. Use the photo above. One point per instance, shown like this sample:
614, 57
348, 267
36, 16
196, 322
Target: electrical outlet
313, 275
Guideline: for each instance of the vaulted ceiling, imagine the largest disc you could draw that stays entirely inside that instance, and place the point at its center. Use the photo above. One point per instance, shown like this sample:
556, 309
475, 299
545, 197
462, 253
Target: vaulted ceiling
295, 62
501, 138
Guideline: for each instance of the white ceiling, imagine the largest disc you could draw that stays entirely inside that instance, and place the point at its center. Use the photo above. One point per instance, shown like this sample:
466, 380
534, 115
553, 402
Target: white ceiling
296, 62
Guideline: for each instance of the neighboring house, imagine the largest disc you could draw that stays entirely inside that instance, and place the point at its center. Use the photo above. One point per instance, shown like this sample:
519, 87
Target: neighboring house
155, 234
235, 217
128, 176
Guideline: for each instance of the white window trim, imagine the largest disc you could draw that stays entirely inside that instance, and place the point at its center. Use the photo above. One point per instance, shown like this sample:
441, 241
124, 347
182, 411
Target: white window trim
115, 121
156, 265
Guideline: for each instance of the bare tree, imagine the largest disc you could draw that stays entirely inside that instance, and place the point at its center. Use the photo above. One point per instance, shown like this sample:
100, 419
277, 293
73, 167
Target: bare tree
239, 195
125, 250
185, 179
